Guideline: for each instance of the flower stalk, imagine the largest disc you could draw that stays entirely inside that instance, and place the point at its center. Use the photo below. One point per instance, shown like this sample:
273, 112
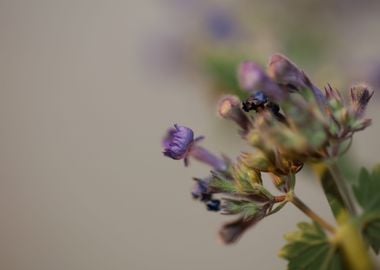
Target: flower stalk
342, 187
310, 213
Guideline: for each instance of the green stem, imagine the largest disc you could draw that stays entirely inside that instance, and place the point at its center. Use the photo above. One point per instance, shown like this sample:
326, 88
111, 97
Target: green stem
342, 187
310, 213
350, 240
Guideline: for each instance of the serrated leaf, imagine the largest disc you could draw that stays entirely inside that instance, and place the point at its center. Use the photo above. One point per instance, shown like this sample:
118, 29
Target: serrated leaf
367, 195
367, 190
372, 233
309, 249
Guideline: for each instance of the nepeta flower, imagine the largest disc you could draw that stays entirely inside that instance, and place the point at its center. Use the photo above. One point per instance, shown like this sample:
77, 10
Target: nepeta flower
179, 143
289, 76
290, 122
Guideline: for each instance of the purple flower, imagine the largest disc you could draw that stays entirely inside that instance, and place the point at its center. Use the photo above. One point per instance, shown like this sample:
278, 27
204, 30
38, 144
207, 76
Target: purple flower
179, 143
221, 24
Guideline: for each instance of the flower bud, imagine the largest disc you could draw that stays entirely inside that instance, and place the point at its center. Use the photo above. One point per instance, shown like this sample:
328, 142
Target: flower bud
232, 231
229, 108
257, 161
360, 96
252, 78
286, 73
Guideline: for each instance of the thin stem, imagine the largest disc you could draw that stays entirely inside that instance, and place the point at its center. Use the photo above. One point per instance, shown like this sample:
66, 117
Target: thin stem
342, 187
310, 213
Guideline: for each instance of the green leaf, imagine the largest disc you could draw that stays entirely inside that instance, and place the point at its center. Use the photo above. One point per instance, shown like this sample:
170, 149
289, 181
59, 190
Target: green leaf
367, 190
309, 249
367, 193
372, 234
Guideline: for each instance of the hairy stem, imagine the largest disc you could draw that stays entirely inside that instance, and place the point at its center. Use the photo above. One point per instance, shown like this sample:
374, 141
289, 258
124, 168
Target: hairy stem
310, 213
342, 187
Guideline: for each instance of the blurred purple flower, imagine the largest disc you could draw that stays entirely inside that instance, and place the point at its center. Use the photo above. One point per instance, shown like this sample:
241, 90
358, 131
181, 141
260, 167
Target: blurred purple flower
220, 24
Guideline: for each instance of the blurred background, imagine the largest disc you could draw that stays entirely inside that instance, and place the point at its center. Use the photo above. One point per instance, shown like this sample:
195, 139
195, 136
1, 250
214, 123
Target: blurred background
87, 91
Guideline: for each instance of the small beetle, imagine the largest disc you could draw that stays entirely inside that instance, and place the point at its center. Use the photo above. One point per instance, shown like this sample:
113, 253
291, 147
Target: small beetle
258, 102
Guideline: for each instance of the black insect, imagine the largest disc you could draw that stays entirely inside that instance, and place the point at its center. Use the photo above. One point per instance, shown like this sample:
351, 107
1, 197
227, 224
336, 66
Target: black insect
258, 102
255, 102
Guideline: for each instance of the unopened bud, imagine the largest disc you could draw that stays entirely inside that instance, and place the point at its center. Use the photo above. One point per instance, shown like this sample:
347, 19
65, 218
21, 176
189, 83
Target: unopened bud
253, 78
360, 96
257, 161
286, 73
231, 232
229, 108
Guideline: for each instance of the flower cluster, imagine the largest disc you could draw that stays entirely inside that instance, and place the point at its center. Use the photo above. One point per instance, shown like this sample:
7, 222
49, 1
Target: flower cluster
289, 121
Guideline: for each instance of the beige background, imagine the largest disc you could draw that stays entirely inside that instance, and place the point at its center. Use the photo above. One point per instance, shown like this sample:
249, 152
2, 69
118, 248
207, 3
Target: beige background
83, 184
